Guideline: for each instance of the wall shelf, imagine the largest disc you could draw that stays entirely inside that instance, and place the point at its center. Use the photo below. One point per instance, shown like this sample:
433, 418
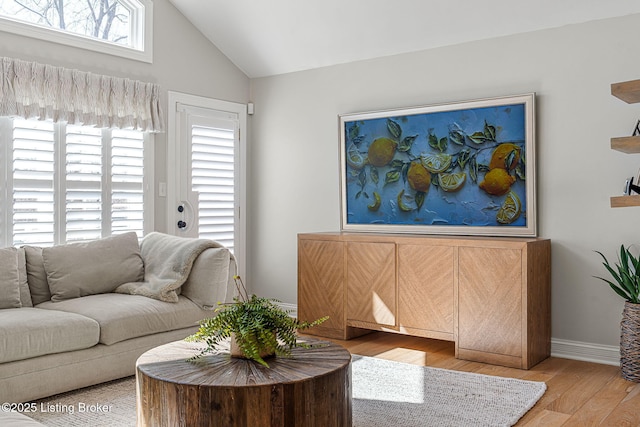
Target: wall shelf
629, 92
625, 201
626, 144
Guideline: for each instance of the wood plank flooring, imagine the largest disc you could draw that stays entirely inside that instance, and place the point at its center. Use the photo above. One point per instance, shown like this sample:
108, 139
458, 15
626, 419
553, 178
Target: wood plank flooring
578, 393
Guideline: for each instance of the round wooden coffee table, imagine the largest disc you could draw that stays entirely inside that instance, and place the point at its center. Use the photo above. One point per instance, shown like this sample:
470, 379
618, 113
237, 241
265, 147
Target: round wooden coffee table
312, 388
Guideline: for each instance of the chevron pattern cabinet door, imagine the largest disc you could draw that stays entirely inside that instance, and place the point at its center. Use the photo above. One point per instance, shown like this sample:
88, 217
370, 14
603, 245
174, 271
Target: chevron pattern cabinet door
490, 313
425, 288
321, 285
371, 282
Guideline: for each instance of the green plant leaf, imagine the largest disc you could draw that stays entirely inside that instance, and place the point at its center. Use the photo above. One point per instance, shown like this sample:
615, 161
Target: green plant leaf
625, 275
258, 324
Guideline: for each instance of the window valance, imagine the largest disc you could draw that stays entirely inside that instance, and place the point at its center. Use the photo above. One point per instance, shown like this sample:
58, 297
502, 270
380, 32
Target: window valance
33, 90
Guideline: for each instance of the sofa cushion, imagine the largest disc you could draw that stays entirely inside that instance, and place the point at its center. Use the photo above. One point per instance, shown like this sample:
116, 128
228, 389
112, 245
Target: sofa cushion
87, 268
9, 282
123, 316
36, 276
30, 332
25, 294
210, 269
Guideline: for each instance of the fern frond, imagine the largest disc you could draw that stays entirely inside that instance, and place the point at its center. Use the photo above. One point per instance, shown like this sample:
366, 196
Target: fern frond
258, 324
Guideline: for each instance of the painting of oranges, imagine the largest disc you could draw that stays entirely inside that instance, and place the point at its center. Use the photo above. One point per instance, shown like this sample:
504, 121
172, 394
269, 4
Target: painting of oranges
455, 167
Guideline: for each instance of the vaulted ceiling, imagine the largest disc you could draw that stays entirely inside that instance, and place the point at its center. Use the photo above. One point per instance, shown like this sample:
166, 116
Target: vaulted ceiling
269, 37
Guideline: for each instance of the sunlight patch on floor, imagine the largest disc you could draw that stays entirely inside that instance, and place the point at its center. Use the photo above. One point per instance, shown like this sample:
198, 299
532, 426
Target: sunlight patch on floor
412, 390
406, 355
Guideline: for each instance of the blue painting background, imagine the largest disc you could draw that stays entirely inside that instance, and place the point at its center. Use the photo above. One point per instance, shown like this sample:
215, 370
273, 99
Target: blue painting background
469, 206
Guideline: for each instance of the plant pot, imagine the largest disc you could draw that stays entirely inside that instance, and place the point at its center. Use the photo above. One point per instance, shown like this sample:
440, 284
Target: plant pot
236, 351
630, 342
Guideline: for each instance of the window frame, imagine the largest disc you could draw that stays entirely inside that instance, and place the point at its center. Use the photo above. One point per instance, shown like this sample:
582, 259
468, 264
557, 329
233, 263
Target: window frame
141, 37
59, 190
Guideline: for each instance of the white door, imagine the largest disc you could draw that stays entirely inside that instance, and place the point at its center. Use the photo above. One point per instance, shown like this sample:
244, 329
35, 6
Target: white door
205, 171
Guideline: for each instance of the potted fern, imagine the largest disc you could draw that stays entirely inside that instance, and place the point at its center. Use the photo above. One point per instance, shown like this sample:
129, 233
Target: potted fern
257, 327
626, 283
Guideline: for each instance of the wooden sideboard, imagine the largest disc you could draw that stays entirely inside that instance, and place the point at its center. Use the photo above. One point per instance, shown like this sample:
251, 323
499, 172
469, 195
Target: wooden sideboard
489, 295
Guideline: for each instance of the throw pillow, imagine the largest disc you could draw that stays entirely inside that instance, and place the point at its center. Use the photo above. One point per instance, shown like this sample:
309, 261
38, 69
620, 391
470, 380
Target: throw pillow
25, 295
36, 276
88, 268
9, 283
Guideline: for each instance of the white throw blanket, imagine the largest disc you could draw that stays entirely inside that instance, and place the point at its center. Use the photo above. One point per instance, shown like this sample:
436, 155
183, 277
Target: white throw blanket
167, 263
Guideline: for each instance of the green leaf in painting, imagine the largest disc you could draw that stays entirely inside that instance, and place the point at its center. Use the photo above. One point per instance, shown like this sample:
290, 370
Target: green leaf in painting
419, 198
394, 129
405, 171
354, 131
391, 177
373, 173
478, 137
435, 180
443, 143
397, 164
463, 158
489, 131
473, 168
456, 137
406, 143
433, 140
456, 134
358, 139
362, 178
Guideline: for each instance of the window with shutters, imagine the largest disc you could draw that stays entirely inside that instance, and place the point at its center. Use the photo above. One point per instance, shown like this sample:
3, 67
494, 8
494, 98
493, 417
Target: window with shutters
66, 183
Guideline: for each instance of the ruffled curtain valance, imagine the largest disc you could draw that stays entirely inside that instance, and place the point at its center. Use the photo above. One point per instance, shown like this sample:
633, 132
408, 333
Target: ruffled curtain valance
33, 90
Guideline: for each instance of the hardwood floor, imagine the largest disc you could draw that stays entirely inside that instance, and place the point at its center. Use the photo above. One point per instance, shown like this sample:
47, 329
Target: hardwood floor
578, 393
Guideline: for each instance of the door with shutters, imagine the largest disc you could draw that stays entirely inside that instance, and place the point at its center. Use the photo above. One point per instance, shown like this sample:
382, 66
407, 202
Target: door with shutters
205, 170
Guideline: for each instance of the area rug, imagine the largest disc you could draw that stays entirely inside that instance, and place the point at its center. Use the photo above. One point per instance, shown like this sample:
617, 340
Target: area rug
385, 394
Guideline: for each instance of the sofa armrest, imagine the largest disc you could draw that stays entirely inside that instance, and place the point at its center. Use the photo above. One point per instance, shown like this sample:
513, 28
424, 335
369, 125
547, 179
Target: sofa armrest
211, 278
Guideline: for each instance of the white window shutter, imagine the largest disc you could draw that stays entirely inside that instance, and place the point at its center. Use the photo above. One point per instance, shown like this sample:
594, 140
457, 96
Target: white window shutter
212, 163
127, 182
33, 183
83, 183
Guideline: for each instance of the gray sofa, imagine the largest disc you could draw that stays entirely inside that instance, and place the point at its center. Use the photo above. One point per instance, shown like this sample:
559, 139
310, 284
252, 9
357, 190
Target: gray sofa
76, 315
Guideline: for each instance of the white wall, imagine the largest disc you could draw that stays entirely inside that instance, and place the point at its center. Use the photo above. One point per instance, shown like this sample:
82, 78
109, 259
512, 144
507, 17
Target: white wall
294, 166
183, 60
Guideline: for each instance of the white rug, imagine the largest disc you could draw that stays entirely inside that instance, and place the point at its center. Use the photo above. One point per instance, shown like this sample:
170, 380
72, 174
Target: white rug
385, 394
389, 394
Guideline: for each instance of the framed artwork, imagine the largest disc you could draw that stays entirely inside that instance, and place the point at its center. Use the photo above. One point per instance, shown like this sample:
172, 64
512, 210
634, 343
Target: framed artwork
465, 168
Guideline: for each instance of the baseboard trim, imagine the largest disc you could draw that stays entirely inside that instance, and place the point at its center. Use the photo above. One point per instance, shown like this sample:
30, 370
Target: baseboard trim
566, 349
588, 352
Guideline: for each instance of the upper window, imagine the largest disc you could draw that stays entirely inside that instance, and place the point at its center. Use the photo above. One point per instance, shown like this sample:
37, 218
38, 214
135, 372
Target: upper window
118, 27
